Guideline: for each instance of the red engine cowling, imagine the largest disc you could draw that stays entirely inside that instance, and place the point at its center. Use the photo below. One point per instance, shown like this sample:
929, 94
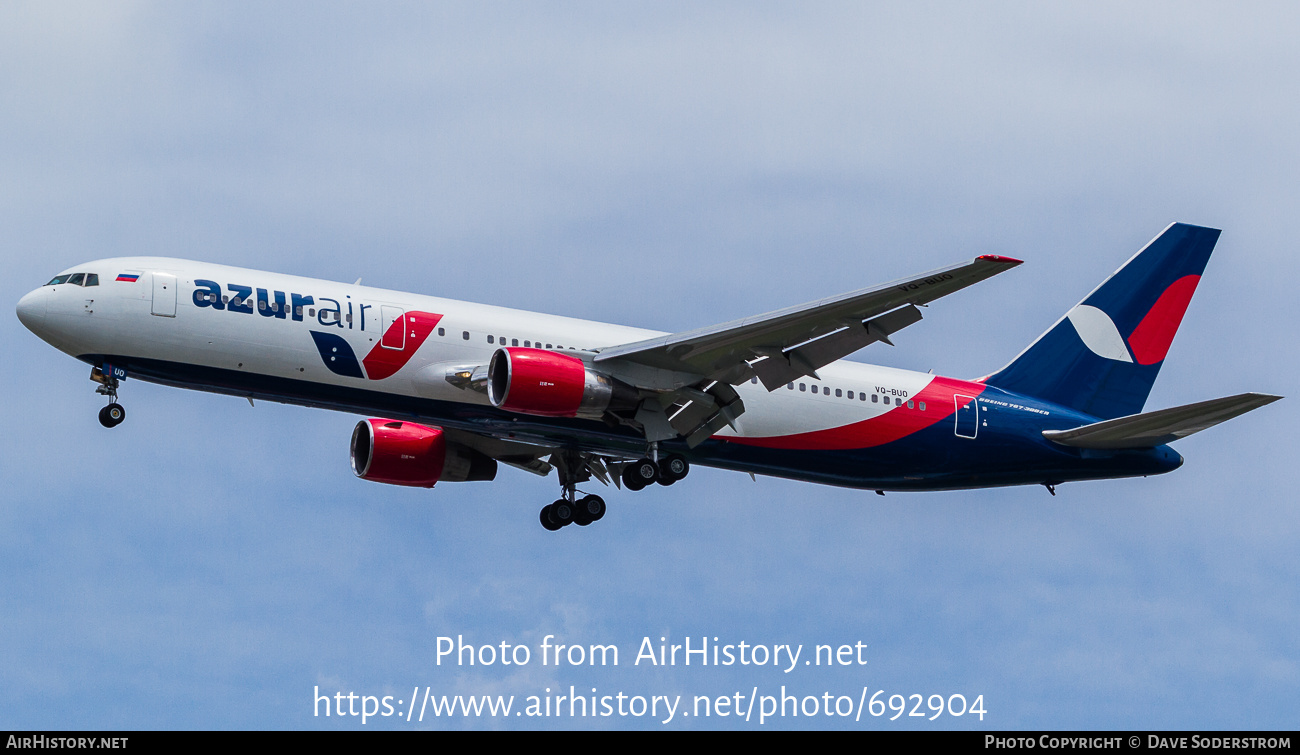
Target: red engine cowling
550, 384
405, 453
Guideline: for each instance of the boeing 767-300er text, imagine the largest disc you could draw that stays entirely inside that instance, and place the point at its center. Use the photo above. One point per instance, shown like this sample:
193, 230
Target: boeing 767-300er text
464, 387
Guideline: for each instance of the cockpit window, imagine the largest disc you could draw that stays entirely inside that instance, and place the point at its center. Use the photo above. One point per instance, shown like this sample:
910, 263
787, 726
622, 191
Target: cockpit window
76, 279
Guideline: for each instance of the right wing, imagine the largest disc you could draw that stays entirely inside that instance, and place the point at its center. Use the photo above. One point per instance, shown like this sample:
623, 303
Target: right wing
787, 344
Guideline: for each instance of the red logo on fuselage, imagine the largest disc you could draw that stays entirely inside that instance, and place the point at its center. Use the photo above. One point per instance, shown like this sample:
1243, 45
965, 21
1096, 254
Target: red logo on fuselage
399, 343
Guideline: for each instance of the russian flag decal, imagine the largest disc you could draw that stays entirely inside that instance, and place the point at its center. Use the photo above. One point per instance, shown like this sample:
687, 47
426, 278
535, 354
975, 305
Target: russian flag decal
129, 277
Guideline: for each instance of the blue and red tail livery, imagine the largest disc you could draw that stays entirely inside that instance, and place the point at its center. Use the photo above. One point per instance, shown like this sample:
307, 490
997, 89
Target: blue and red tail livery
448, 397
1103, 356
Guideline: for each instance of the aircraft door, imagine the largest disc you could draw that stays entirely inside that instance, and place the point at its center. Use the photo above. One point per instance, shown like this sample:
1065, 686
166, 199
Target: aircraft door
394, 329
164, 294
968, 418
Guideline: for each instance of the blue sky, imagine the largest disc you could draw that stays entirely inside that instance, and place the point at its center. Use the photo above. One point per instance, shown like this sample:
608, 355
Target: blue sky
665, 165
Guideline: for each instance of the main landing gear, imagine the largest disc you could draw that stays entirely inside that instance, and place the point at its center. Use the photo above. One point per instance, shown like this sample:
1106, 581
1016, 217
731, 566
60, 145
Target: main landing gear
582, 511
113, 414
569, 508
575, 467
645, 472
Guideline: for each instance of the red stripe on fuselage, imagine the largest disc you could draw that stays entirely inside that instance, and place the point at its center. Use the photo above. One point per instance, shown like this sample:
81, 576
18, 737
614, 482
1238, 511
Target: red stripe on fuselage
940, 404
1151, 338
383, 362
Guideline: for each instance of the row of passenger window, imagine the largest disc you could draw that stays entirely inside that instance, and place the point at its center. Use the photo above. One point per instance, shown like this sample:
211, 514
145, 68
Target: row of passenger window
840, 393
76, 279
527, 344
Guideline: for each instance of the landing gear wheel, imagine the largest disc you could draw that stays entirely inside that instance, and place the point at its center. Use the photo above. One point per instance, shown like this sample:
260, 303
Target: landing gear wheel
112, 415
592, 507
643, 472
675, 467
561, 513
546, 519
630, 480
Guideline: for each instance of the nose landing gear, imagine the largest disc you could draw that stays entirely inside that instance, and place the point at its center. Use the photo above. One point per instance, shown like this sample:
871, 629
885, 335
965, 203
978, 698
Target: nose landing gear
113, 414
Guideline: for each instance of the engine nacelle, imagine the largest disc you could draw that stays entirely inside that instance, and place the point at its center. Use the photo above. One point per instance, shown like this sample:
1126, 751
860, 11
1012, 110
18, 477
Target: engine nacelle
551, 384
396, 452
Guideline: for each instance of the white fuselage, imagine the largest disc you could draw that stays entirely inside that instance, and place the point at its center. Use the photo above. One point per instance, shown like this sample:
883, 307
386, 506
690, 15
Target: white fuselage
127, 319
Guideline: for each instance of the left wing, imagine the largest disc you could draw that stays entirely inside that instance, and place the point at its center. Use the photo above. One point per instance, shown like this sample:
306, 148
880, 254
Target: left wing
787, 344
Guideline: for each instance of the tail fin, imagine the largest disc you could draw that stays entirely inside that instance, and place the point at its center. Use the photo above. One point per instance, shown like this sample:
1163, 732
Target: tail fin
1103, 356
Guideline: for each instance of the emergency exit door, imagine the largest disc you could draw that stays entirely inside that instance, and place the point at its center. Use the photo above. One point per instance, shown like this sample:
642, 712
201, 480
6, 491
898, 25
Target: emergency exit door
968, 416
394, 336
164, 295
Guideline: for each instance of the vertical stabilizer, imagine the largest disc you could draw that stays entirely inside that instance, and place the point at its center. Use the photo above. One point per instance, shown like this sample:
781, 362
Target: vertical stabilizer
1103, 356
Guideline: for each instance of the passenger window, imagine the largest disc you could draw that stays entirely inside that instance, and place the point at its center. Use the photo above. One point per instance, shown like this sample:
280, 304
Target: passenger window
261, 305
875, 398
911, 405
465, 335
814, 388
92, 279
297, 310
790, 386
311, 311
442, 331
898, 402
803, 387
754, 380
922, 406
862, 397
528, 344
490, 339
548, 346
514, 342
838, 394
77, 279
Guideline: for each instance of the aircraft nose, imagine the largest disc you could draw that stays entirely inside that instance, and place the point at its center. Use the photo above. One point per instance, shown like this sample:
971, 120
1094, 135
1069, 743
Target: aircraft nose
31, 309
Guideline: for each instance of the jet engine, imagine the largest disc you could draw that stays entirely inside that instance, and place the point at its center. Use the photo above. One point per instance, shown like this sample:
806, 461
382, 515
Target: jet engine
405, 453
550, 384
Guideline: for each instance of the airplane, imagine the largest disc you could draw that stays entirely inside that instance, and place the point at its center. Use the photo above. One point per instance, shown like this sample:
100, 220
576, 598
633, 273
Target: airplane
454, 389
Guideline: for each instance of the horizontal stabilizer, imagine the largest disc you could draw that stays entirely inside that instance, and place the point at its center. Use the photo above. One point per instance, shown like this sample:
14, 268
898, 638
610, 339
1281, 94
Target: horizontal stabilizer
1152, 429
